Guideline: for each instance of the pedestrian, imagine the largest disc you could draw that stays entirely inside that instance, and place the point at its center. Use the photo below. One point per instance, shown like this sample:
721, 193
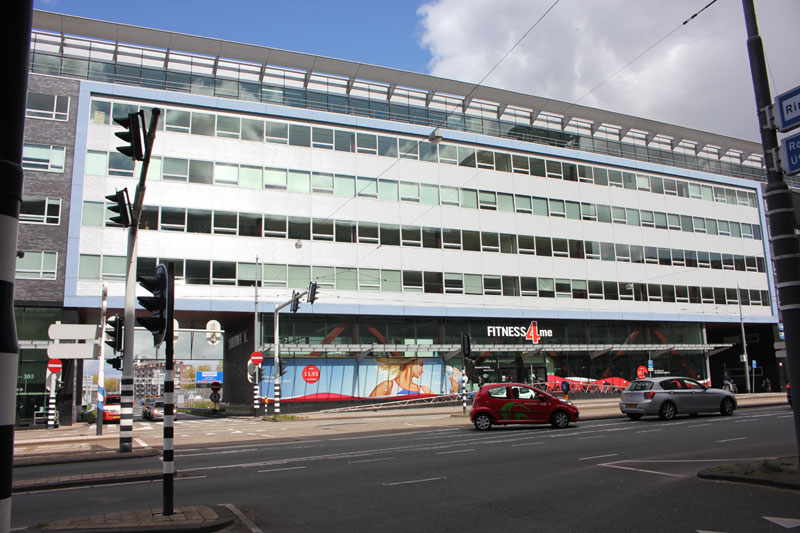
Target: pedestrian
766, 385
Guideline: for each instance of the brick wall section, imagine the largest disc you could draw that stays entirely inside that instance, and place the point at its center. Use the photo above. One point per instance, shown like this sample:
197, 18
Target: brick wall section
41, 237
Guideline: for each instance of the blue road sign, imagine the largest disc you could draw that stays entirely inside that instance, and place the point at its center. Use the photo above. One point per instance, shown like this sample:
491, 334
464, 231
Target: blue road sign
791, 154
787, 106
208, 377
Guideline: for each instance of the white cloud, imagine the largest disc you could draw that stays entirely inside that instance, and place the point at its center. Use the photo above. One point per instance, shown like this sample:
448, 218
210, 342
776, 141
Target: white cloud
698, 77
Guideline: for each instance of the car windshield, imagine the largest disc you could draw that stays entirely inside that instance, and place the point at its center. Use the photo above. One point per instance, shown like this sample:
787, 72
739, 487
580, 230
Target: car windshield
112, 400
640, 385
158, 404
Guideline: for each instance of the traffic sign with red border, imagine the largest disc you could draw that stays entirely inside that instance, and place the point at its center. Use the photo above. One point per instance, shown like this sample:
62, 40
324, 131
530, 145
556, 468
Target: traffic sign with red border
257, 358
216, 386
54, 365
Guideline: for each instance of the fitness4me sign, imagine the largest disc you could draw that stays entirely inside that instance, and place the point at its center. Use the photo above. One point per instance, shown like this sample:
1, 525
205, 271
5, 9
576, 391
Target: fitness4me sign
531, 333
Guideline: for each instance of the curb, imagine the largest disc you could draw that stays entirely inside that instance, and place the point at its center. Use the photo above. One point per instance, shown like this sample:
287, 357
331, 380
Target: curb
750, 480
81, 457
225, 519
35, 485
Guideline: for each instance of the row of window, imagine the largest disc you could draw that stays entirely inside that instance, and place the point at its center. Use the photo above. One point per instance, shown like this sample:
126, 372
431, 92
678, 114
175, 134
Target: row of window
259, 130
40, 210
380, 109
231, 273
303, 228
304, 182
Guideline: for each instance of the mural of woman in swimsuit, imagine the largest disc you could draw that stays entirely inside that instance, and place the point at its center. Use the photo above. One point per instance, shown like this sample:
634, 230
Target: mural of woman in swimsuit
402, 374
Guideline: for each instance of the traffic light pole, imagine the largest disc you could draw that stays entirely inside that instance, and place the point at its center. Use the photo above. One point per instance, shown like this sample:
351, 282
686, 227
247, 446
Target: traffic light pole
126, 411
169, 396
15, 32
101, 396
780, 211
276, 351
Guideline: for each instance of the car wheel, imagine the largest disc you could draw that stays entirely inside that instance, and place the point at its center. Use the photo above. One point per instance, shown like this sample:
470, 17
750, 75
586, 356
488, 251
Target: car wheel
559, 419
726, 407
634, 416
483, 422
667, 411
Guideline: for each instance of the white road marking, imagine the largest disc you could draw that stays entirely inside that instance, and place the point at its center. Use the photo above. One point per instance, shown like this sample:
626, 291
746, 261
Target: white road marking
649, 430
410, 482
142, 443
597, 456
456, 451
698, 425
787, 523
644, 471
372, 460
594, 437
282, 469
745, 420
249, 523
526, 444
731, 440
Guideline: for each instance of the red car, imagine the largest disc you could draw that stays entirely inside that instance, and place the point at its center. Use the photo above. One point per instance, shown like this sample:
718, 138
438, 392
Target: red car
516, 403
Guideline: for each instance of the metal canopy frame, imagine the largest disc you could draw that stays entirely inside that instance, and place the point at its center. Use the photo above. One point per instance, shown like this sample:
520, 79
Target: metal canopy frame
527, 350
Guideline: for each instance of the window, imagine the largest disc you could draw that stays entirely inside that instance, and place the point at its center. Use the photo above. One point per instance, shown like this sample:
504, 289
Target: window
367, 187
225, 222
547, 288
346, 279
276, 132
528, 286
275, 226
225, 174
46, 157
198, 221
47, 106
391, 281
344, 186
224, 273
273, 275
409, 192
487, 200
367, 233
369, 279
390, 234
322, 183
322, 229
526, 244
37, 265
453, 283
411, 236
40, 211
388, 190
412, 281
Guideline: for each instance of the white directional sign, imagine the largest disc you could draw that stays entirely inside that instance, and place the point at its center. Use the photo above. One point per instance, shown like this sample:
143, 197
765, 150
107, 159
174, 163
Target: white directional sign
787, 110
71, 350
72, 341
72, 332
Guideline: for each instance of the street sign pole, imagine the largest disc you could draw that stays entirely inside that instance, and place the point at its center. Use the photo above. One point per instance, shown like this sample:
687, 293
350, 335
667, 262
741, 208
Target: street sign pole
780, 211
101, 361
54, 367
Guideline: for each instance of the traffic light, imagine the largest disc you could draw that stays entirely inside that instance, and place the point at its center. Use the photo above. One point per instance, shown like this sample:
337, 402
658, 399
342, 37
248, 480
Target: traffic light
115, 362
115, 333
134, 135
121, 205
466, 348
156, 304
312, 292
295, 301
281, 367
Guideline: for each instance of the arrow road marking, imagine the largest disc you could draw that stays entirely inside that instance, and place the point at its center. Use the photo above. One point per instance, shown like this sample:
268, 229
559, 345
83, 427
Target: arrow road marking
787, 523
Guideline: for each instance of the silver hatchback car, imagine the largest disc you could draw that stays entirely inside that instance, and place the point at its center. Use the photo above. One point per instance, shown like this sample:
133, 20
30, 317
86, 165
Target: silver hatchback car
667, 396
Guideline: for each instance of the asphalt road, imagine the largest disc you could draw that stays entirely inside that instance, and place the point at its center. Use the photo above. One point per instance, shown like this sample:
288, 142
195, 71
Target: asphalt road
598, 475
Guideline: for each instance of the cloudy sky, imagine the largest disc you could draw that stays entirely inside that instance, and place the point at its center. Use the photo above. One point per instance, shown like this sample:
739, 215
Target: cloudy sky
698, 76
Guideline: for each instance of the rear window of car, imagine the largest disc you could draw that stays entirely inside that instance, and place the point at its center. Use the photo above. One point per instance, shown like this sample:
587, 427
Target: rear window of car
640, 385
498, 392
112, 400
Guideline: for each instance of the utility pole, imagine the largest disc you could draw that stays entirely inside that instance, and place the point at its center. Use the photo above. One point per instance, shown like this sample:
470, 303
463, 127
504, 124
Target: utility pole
744, 357
15, 28
780, 211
